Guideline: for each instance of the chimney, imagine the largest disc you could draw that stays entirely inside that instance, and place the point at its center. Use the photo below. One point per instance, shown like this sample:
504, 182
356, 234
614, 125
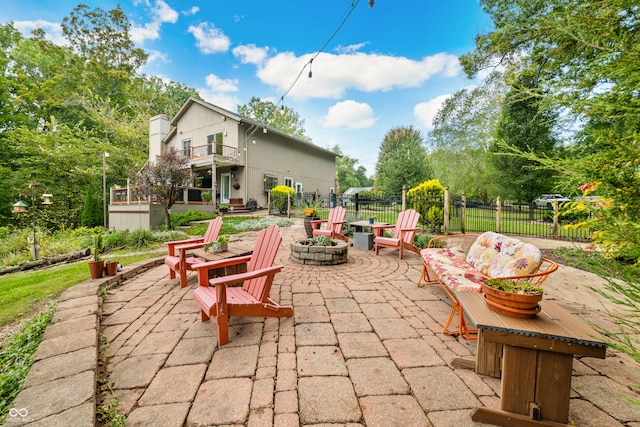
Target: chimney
158, 131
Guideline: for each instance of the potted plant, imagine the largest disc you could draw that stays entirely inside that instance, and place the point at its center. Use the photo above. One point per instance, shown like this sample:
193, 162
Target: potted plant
219, 245
236, 185
111, 268
205, 196
224, 208
96, 266
310, 210
515, 298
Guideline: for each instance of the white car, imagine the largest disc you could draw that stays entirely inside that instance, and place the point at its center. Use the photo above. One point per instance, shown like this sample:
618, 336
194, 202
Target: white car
546, 200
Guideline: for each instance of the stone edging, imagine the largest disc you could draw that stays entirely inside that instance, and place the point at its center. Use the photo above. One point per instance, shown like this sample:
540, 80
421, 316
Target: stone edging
60, 389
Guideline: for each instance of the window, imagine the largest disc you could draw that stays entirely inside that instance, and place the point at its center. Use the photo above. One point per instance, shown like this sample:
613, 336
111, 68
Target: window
288, 181
214, 143
186, 148
270, 181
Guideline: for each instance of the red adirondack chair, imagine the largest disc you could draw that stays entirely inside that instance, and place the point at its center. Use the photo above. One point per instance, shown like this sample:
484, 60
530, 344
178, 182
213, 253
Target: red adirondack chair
404, 231
218, 300
178, 262
334, 224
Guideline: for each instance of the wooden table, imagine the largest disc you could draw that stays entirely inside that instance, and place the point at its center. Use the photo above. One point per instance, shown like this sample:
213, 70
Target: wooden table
359, 226
537, 359
234, 249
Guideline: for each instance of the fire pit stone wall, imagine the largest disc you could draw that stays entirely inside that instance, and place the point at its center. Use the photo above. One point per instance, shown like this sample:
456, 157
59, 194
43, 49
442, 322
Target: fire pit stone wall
302, 252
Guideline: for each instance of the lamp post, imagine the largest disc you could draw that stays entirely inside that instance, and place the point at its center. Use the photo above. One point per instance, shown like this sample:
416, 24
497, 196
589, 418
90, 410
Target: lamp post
104, 189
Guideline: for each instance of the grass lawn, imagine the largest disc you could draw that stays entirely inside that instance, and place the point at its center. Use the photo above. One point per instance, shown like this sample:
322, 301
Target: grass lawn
22, 294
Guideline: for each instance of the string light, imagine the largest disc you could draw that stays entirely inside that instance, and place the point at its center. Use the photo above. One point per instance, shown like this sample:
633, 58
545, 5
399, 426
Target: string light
310, 64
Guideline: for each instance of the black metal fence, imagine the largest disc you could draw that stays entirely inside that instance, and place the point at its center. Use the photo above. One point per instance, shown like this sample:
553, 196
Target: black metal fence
448, 214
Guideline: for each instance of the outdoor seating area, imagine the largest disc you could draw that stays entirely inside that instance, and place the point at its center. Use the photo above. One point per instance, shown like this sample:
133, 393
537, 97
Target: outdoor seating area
361, 345
461, 263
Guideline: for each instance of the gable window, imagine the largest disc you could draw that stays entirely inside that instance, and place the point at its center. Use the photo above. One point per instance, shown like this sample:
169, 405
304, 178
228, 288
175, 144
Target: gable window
288, 181
214, 143
186, 148
270, 181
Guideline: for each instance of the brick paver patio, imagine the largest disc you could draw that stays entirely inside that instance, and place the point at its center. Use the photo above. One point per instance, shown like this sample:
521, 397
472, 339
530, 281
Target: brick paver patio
364, 348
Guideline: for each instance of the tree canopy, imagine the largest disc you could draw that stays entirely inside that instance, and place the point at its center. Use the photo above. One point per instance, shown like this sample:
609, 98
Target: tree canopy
402, 161
61, 107
267, 113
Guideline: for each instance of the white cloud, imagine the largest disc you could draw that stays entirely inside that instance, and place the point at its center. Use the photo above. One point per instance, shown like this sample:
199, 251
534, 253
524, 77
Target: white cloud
161, 13
350, 48
251, 54
217, 84
333, 74
209, 39
224, 100
425, 112
192, 11
52, 30
349, 114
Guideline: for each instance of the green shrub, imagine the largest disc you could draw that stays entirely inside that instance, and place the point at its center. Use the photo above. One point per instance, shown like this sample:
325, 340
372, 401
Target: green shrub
421, 240
279, 197
141, 238
435, 216
179, 220
425, 196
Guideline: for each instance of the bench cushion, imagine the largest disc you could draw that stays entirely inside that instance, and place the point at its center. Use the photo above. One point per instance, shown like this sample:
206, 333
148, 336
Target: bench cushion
497, 255
452, 270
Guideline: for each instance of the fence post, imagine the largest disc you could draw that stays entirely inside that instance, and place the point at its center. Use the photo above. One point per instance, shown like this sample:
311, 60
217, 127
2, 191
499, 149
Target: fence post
288, 205
404, 198
268, 202
463, 214
357, 202
445, 224
554, 227
498, 214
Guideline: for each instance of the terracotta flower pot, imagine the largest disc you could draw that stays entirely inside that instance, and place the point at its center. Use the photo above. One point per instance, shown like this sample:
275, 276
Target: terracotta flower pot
96, 268
111, 268
512, 304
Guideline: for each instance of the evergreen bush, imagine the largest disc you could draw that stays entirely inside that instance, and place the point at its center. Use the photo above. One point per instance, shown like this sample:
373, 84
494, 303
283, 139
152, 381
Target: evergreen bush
280, 195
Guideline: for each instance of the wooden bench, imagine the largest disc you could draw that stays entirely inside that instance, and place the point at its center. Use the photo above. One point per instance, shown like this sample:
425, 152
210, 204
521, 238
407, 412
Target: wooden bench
534, 358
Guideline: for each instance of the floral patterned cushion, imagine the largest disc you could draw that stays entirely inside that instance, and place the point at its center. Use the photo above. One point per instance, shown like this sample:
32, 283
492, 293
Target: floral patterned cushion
497, 255
452, 270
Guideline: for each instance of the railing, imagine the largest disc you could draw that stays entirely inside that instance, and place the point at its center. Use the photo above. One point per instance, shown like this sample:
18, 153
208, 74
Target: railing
139, 195
218, 150
461, 215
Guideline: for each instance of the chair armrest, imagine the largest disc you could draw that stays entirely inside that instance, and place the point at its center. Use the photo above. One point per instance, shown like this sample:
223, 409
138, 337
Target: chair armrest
383, 226
172, 245
241, 277
190, 246
210, 265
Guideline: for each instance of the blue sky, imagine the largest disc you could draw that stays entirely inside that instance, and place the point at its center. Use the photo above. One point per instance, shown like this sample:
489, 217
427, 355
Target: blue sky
386, 66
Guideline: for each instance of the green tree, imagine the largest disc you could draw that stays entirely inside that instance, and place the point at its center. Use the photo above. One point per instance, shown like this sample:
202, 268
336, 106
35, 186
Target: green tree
267, 113
162, 179
91, 211
402, 161
462, 132
347, 175
525, 126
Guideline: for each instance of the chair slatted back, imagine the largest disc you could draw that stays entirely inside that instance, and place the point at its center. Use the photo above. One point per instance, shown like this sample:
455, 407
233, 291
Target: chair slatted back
336, 215
213, 230
406, 219
264, 254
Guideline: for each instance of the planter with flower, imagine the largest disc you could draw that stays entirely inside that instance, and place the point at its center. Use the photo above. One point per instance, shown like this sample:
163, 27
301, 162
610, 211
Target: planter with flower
220, 245
236, 185
515, 298
310, 214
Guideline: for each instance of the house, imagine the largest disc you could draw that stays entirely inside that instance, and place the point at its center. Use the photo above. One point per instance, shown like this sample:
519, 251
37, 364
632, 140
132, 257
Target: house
232, 157
351, 192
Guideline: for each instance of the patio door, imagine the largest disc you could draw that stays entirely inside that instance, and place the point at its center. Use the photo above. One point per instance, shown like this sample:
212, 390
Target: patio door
225, 187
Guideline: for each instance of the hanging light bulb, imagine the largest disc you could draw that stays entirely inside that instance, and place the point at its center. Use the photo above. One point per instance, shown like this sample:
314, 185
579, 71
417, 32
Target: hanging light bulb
371, 3
310, 64
253, 139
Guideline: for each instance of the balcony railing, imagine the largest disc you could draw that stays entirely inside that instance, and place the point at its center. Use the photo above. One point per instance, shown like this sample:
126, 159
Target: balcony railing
218, 150
137, 195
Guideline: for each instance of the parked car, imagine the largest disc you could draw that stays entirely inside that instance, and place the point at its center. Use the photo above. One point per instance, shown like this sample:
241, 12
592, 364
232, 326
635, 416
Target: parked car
546, 200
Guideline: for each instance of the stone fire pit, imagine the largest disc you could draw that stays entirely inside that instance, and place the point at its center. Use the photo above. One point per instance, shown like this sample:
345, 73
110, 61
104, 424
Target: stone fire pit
303, 252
